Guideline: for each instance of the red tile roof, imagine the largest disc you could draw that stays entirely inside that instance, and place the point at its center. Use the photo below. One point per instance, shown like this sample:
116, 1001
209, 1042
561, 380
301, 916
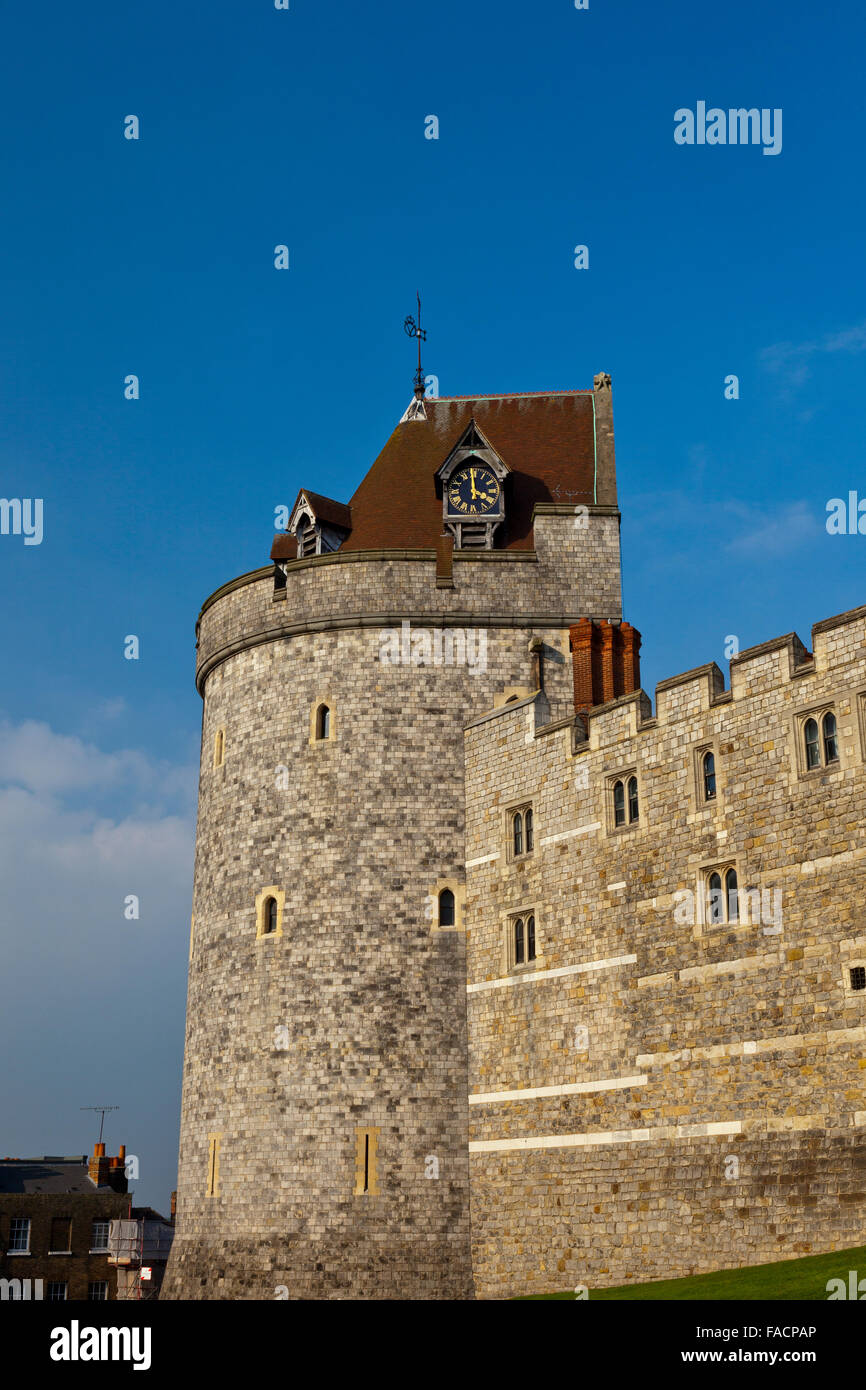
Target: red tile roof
545, 439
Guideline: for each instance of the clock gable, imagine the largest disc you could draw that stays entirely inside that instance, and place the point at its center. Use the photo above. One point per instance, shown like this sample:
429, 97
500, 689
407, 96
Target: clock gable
473, 491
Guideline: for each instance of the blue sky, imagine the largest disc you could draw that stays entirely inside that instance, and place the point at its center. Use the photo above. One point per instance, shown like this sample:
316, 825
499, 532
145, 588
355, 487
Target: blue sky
155, 257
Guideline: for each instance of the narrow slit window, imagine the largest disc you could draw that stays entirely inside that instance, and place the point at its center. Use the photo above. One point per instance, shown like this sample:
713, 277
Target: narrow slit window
270, 915
213, 1166
323, 722
618, 803
632, 800
446, 908
709, 768
529, 831
530, 938
219, 748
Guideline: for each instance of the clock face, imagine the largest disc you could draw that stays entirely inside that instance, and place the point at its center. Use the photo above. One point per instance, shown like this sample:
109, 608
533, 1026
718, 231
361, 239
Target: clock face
474, 490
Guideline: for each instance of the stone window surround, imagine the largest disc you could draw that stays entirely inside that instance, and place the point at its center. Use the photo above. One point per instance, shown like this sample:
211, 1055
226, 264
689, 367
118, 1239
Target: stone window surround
710, 745
798, 725
332, 725
846, 978
367, 1161
212, 1183
508, 920
219, 747
510, 812
741, 922
261, 899
610, 780
459, 891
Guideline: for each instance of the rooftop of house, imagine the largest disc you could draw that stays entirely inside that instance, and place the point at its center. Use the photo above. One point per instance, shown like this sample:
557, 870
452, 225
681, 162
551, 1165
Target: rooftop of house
48, 1175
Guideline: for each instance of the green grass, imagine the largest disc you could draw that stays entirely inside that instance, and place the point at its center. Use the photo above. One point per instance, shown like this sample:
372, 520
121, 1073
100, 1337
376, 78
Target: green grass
804, 1279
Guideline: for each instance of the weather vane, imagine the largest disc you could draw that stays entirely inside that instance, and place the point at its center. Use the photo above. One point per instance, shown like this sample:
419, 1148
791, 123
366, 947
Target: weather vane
414, 330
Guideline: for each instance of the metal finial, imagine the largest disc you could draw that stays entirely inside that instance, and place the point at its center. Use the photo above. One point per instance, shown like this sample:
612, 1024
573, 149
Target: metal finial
414, 330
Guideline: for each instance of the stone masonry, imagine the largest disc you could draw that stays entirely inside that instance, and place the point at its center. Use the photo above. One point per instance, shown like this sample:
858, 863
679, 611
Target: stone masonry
655, 1094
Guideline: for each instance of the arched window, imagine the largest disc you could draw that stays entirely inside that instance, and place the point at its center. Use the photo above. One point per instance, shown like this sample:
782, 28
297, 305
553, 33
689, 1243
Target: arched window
323, 722
530, 938
529, 833
810, 734
709, 769
715, 909
446, 908
732, 896
618, 803
831, 746
219, 747
517, 832
518, 942
632, 799
270, 916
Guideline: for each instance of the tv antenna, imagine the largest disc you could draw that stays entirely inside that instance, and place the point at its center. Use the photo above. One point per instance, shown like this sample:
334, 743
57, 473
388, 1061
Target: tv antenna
102, 1110
414, 330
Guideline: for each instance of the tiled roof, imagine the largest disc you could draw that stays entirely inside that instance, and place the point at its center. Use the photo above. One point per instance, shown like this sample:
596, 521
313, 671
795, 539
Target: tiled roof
545, 439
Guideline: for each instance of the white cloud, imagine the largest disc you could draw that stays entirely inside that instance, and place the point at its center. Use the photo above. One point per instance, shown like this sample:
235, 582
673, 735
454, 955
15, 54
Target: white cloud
769, 531
792, 363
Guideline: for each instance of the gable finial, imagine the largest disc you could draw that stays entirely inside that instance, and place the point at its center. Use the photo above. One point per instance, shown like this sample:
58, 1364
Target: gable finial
414, 330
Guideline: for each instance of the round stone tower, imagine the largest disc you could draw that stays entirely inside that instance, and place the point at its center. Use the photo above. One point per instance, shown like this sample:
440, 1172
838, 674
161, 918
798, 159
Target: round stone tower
324, 1123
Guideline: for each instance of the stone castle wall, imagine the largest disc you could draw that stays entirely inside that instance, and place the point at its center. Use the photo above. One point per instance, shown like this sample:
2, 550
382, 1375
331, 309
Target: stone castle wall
357, 831
656, 1096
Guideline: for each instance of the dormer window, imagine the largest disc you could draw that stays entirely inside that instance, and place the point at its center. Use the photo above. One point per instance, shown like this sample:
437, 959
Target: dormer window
307, 538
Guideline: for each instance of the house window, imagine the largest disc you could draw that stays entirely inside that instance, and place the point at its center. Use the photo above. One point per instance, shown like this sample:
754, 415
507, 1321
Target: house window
98, 1237
446, 908
57, 1292
624, 798
19, 1235
323, 722
219, 745
810, 734
820, 741
60, 1242
521, 939
857, 975
722, 897
97, 1291
520, 831
270, 905
708, 776
831, 746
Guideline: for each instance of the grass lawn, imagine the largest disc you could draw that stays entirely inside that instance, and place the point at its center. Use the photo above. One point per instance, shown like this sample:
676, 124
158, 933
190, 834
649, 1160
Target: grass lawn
804, 1279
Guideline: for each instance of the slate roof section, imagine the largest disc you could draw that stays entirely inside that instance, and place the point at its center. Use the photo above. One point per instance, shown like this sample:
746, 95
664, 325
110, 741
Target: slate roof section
48, 1175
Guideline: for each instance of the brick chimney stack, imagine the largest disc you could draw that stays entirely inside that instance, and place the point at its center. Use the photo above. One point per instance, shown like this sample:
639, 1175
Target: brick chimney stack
108, 1172
605, 660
